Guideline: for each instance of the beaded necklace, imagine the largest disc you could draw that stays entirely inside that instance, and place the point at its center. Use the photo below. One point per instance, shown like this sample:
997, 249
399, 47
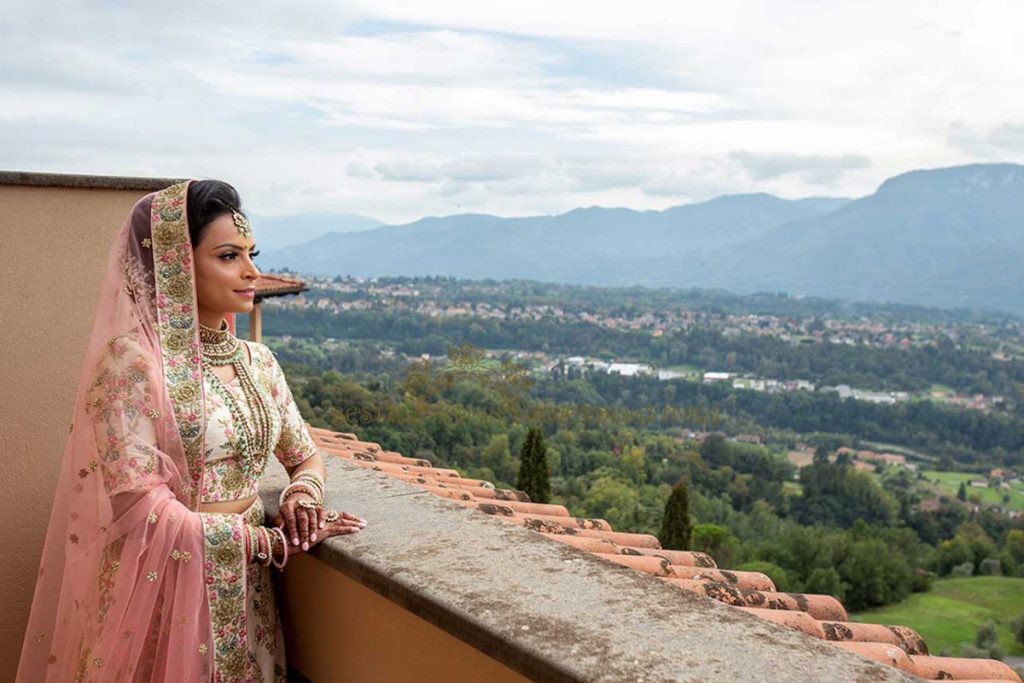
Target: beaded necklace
221, 348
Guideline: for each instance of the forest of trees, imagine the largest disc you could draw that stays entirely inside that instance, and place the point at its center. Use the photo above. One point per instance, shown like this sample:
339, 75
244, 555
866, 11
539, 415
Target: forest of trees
886, 369
968, 437
862, 538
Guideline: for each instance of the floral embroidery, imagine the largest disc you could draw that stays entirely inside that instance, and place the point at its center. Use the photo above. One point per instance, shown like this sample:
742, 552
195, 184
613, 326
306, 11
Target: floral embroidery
295, 444
225, 589
151, 518
118, 398
223, 475
83, 663
110, 562
151, 577
265, 636
179, 333
39, 635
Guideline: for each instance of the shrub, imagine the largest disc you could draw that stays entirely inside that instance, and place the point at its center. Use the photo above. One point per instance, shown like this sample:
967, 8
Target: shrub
989, 567
1017, 628
965, 569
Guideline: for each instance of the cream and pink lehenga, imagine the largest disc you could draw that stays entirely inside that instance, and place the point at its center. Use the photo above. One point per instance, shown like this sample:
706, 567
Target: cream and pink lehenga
135, 584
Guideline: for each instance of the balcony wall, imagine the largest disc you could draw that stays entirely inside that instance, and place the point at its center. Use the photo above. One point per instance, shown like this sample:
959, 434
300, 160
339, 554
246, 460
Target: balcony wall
56, 231
431, 590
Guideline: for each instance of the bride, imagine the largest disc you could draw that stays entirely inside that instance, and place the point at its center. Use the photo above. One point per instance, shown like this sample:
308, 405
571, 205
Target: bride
156, 562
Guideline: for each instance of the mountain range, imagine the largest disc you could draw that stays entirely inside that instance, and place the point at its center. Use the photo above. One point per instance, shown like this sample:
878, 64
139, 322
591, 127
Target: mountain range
951, 237
277, 232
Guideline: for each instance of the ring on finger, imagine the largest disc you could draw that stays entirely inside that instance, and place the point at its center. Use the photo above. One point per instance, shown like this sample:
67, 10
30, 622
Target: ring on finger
331, 516
309, 504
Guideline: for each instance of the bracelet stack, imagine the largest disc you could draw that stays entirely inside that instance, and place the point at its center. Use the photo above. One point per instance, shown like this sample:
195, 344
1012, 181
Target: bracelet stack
306, 481
279, 539
258, 544
264, 543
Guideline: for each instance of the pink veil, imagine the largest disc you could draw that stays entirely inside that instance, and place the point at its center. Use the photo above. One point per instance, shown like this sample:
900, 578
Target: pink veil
128, 582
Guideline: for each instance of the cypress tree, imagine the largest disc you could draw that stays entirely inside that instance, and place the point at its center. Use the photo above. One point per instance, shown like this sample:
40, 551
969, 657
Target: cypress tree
675, 525
961, 493
533, 468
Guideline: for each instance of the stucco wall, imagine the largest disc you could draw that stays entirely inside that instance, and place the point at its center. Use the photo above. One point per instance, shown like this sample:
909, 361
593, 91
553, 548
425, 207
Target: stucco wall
56, 232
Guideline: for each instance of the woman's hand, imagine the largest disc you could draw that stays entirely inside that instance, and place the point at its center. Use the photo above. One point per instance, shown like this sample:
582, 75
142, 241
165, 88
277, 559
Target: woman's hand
304, 527
299, 524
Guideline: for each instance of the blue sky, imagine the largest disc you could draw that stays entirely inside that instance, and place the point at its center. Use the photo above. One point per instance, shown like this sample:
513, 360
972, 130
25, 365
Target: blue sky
399, 110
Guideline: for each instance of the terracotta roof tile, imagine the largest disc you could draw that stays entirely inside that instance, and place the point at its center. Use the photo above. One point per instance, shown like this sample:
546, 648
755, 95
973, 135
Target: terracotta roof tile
958, 668
903, 637
277, 285
798, 621
477, 491
688, 558
820, 616
383, 456
500, 509
617, 537
741, 580
523, 509
880, 652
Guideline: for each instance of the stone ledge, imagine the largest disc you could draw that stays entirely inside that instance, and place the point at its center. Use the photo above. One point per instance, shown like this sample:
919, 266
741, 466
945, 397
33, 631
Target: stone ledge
95, 182
548, 610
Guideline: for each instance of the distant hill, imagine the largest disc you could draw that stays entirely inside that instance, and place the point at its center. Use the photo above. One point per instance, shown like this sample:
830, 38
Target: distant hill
592, 245
949, 237
277, 232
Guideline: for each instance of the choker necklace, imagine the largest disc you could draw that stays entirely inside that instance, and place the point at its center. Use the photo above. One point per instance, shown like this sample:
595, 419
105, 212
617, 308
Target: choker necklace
254, 426
220, 347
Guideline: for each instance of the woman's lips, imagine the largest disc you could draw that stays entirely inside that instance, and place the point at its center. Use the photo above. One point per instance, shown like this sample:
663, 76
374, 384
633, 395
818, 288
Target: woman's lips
247, 293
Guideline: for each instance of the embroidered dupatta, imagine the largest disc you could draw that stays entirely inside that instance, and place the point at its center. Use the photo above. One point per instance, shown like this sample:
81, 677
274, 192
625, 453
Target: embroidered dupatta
134, 583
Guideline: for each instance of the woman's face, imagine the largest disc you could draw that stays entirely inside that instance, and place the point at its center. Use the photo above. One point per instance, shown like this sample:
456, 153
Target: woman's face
225, 272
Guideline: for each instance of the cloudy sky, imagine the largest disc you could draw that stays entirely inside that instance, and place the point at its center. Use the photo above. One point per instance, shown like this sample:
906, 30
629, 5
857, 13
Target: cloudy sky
399, 110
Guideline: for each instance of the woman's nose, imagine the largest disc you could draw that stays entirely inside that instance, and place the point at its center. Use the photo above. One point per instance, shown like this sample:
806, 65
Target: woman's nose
252, 271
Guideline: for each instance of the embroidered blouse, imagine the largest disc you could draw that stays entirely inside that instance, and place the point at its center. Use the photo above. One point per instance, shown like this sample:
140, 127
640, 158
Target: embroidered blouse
117, 403
223, 475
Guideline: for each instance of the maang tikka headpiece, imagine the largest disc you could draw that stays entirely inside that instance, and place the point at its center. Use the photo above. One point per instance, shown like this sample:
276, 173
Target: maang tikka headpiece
241, 222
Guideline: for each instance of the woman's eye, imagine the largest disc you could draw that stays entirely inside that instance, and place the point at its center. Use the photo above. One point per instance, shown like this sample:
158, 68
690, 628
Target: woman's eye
229, 255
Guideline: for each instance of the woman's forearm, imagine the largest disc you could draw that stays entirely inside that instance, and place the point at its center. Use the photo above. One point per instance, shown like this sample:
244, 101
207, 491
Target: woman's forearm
314, 462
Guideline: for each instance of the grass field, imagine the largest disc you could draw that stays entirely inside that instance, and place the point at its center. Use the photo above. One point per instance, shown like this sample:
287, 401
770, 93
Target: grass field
951, 612
949, 482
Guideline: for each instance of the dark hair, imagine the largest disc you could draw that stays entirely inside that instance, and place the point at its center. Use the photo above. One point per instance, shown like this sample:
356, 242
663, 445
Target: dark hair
207, 201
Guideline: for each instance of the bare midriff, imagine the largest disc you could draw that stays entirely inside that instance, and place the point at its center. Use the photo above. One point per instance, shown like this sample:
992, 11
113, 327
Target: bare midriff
236, 506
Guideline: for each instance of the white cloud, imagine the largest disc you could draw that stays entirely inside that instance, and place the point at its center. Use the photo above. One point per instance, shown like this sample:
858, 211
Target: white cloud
812, 168
402, 109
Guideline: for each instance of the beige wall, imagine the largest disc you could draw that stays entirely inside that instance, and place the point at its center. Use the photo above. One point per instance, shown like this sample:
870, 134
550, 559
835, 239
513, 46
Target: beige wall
54, 250
337, 629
